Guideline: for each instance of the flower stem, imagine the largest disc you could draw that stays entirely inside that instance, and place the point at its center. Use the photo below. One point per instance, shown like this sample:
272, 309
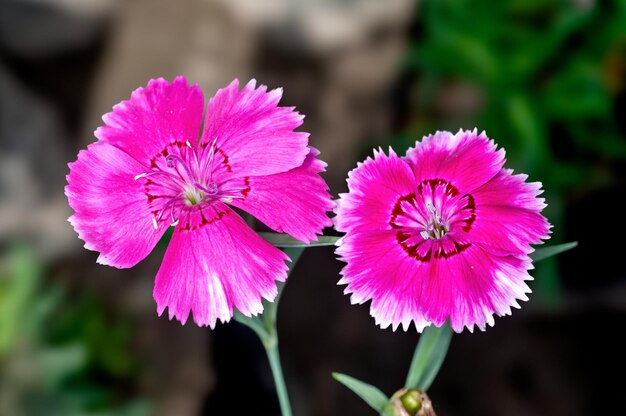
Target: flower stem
271, 347
265, 327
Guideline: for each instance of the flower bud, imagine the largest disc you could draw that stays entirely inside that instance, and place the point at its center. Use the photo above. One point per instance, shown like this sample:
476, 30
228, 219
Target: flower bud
409, 402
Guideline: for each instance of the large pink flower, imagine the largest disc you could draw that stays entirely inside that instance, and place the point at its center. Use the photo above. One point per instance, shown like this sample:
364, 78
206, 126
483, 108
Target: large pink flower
153, 167
443, 233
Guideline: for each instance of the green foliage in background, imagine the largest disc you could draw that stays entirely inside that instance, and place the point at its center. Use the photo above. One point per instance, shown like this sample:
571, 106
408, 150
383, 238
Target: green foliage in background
540, 76
58, 356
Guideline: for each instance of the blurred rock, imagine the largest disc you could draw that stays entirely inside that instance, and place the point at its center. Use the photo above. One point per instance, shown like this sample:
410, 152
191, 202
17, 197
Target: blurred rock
42, 27
33, 164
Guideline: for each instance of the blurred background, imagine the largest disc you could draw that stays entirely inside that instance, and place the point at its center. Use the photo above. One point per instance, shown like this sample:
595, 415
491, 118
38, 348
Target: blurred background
545, 78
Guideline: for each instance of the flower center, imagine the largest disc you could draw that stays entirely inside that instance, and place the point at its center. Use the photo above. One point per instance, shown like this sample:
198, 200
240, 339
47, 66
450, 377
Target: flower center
435, 227
183, 178
434, 220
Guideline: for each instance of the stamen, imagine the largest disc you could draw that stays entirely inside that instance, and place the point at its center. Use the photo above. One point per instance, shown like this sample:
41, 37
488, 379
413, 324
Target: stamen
425, 235
171, 161
153, 172
189, 186
211, 156
174, 220
210, 189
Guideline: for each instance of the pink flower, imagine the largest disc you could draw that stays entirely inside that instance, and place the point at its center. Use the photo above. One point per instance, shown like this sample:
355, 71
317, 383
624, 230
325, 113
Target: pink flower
443, 233
149, 170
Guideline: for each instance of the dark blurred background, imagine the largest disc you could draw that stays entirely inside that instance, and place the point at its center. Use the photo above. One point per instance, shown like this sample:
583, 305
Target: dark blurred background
545, 78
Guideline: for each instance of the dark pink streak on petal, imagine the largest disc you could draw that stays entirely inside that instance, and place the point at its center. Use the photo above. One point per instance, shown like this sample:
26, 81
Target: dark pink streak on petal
154, 117
112, 214
216, 263
294, 202
255, 136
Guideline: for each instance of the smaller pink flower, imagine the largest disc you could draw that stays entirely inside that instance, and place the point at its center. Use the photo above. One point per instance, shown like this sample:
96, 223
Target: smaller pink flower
441, 234
157, 165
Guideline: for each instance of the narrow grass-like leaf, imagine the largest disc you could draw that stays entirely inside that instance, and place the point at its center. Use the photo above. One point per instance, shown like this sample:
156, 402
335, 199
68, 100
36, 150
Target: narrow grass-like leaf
429, 355
285, 240
370, 394
549, 251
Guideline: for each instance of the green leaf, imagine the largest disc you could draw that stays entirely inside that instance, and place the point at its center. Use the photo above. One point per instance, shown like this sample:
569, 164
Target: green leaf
429, 355
370, 394
545, 252
285, 240
59, 363
20, 275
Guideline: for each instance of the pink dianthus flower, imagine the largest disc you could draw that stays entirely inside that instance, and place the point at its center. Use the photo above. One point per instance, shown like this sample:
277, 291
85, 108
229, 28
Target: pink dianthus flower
155, 165
442, 234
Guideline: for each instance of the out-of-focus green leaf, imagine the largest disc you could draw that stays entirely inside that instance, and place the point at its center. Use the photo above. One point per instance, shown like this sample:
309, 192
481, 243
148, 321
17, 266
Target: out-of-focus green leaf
18, 283
545, 252
51, 346
60, 362
370, 394
529, 128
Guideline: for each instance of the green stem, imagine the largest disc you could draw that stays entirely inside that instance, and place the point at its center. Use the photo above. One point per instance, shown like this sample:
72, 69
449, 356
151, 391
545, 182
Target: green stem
265, 327
271, 347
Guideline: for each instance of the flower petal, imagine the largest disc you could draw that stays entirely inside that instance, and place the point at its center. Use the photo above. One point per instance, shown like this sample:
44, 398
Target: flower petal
255, 137
469, 287
375, 186
215, 263
466, 159
162, 113
112, 214
378, 269
508, 215
294, 202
